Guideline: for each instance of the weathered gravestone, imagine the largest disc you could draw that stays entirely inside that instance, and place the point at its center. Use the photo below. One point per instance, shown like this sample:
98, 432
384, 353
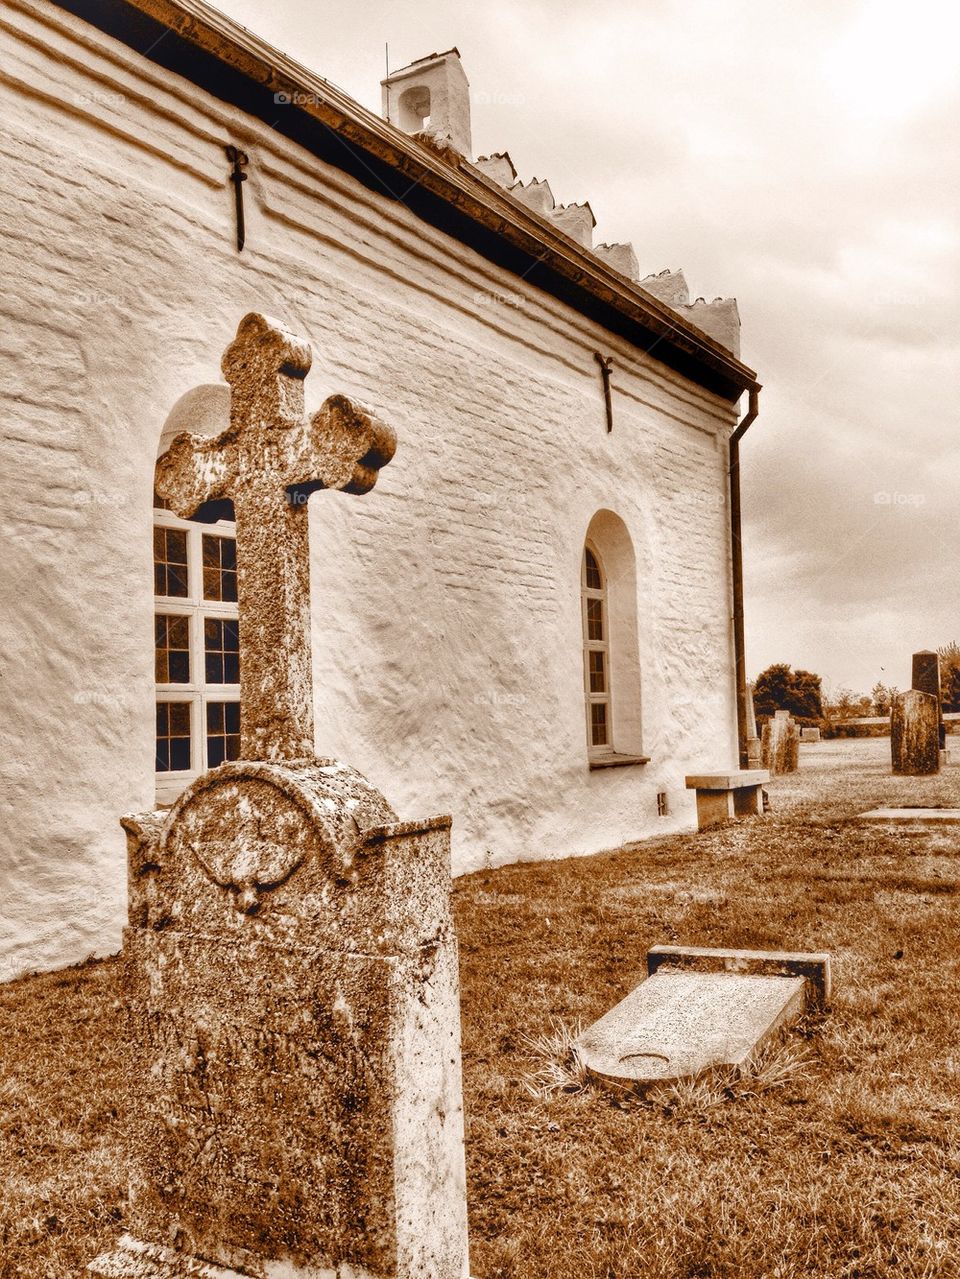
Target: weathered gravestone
925, 677
754, 747
291, 970
780, 744
914, 733
701, 1008
809, 735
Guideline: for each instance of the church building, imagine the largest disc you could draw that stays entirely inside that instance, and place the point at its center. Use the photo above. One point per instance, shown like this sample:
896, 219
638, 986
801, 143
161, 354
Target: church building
533, 621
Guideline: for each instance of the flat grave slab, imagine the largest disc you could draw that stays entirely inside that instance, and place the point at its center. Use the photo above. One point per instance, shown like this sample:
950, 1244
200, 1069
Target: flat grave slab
945, 815
688, 1017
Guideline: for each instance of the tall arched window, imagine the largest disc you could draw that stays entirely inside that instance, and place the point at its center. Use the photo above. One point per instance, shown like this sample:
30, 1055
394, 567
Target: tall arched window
197, 642
596, 652
197, 635
611, 648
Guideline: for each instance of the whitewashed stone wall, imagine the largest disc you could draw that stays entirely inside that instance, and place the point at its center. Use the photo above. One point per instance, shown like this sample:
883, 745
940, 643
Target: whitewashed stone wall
447, 611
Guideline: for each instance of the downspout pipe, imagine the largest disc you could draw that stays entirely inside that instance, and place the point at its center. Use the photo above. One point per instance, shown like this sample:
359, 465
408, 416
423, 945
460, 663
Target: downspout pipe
736, 545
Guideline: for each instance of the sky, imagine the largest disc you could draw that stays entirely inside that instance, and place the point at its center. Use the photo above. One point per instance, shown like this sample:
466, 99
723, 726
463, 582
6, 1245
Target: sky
802, 158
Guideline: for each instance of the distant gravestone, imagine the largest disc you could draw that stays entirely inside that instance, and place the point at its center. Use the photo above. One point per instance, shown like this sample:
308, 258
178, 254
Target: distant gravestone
914, 733
290, 963
925, 677
754, 746
780, 744
701, 1008
809, 734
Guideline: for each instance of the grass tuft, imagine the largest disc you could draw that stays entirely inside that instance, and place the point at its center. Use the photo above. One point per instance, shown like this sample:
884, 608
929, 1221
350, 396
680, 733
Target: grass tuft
558, 1065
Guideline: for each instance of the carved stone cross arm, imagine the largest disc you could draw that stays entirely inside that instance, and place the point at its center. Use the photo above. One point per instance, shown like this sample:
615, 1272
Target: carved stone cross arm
266, 463
353, 443
196, 470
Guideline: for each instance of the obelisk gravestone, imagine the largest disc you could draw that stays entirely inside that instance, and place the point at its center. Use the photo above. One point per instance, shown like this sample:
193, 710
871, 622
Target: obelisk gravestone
925, 677
294, 1097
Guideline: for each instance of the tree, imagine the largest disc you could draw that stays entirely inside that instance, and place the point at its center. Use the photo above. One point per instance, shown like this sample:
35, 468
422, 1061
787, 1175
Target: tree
950, 676
807, 696
843, 704
882, 697
779, 688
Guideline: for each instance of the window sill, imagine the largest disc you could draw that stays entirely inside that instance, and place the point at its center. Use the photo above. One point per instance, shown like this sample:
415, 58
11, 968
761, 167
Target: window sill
614, 760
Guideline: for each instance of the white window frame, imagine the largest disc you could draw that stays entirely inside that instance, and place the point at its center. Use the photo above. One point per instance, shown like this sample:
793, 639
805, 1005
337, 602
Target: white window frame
197, 692
594, 646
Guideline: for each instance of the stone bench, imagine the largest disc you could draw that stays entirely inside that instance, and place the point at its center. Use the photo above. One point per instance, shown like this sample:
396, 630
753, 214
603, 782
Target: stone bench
722, 797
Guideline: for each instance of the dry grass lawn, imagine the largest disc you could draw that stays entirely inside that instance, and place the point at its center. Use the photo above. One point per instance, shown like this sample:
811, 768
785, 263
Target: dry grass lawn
838, 1157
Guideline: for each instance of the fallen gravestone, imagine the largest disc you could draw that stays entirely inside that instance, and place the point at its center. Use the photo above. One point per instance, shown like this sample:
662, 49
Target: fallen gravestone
701, 1008
294, 1106
915, 734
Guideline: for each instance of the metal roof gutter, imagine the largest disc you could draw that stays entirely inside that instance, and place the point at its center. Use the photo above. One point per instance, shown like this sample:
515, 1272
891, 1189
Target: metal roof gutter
194, 40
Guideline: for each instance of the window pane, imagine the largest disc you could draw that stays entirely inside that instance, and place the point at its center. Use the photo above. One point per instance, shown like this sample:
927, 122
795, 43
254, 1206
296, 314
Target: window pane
173, 736
219, 568
595, 619
221, 641
170, 562
594, 580
598, 680
179, 719
223, 732
172, 657
598, 723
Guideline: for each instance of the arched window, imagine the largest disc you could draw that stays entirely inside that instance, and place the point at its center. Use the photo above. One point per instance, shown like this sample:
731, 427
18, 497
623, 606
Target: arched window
197, 648
197, 636
611, 647
596, 652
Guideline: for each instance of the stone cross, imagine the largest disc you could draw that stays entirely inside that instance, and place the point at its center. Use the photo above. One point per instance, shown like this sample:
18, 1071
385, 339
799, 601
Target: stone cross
290, 965
267, 463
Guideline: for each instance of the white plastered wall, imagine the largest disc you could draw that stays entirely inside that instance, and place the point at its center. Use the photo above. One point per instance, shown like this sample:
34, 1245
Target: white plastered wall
446, 602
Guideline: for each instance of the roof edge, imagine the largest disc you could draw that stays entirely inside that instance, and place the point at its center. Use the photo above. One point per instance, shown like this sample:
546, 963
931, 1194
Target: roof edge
231, 62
